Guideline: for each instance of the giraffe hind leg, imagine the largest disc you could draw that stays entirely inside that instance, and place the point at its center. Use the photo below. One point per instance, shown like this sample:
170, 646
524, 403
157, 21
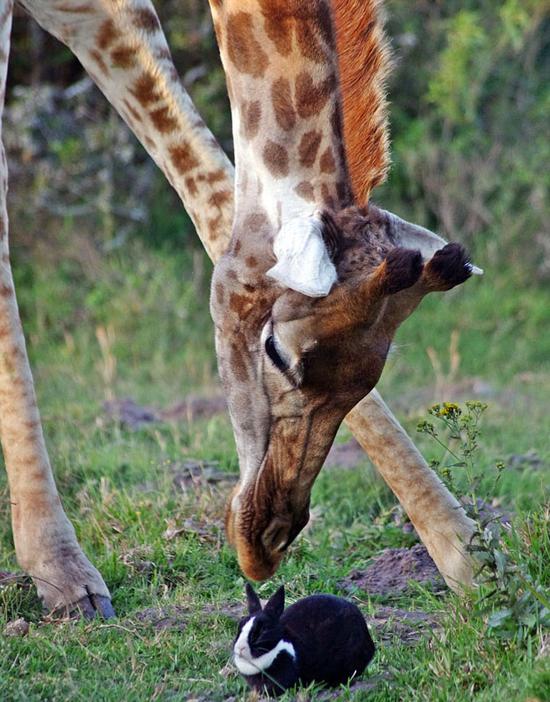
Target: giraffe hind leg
45, 540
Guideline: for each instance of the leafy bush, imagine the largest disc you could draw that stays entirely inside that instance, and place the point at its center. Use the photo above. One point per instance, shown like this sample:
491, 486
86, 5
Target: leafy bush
470, 104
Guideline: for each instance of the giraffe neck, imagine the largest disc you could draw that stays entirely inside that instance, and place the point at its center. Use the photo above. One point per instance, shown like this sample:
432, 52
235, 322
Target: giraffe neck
281, 70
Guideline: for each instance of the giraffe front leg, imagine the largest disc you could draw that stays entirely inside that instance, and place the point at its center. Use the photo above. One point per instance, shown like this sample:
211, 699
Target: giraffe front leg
45, 540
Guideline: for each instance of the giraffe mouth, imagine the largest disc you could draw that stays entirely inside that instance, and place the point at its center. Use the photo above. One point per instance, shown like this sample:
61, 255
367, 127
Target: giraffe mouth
261, 537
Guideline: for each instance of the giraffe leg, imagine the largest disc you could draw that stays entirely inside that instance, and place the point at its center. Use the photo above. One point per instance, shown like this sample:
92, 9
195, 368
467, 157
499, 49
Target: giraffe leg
45, 540
437, 516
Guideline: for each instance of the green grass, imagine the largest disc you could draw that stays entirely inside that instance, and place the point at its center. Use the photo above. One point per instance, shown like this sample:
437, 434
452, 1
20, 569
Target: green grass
141, 329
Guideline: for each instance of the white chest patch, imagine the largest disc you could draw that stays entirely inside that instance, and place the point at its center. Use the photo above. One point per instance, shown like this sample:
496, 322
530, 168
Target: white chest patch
303, 263
246, 663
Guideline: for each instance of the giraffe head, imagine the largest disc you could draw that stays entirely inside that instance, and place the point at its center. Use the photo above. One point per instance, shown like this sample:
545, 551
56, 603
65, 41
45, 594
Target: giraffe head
294, 364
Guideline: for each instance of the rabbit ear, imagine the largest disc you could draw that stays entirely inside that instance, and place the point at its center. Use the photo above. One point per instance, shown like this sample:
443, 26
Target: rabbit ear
253, 601
276, 603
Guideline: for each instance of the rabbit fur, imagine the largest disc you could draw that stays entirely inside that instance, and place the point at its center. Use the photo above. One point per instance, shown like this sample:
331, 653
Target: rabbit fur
319, 639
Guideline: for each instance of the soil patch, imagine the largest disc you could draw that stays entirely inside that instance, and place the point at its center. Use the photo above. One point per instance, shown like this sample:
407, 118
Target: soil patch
232, 610
135, 416
392, 572
18, 627
206, 531
530, 459
194, 473
173, 617
490, 512
409, 627
348, 455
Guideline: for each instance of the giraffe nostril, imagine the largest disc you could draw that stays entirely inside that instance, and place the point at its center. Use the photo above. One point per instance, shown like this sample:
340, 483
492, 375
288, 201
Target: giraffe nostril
275, 537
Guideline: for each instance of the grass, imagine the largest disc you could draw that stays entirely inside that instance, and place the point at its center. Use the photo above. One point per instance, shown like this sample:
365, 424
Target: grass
141, 329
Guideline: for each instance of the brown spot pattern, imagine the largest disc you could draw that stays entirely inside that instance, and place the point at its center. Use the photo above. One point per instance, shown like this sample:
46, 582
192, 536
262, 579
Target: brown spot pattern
240, 304
107, 34
276, 159
327, 163
244, 50
98, 58
305, 191
183, 157
328, 199
251, 261
255, 222
215, 176
191, 186
146, 19
238, 364
279, 30
310, 46
309, 21
145, 89
163, 120
311, 97
214, 226
123, 57
251, 114
281, 98
135, 114
309, 147
220, 293
220, 198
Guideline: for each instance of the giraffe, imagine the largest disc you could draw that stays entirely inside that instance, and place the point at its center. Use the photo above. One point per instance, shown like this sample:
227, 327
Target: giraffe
122, 47
315, 282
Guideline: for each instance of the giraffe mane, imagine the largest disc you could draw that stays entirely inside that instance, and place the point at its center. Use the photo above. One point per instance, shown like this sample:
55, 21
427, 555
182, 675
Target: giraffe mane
363, 63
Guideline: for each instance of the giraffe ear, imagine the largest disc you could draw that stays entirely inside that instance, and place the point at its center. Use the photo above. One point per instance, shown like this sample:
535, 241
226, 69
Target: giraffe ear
303, 263
411, 236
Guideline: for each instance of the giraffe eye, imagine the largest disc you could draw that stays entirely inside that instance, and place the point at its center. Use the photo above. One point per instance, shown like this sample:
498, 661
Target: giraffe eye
271, 351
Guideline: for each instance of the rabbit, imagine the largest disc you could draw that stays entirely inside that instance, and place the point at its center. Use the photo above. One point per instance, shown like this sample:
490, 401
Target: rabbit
321, 638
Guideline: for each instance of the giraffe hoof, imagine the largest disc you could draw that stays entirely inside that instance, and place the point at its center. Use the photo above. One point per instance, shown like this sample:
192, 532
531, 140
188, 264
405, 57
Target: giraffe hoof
88, 607
93, 606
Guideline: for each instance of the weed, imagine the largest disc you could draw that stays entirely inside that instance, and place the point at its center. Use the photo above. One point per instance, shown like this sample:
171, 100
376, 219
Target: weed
513, 600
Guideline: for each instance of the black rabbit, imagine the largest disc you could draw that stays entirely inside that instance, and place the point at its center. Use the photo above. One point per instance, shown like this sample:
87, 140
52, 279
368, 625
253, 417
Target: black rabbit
321, 639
